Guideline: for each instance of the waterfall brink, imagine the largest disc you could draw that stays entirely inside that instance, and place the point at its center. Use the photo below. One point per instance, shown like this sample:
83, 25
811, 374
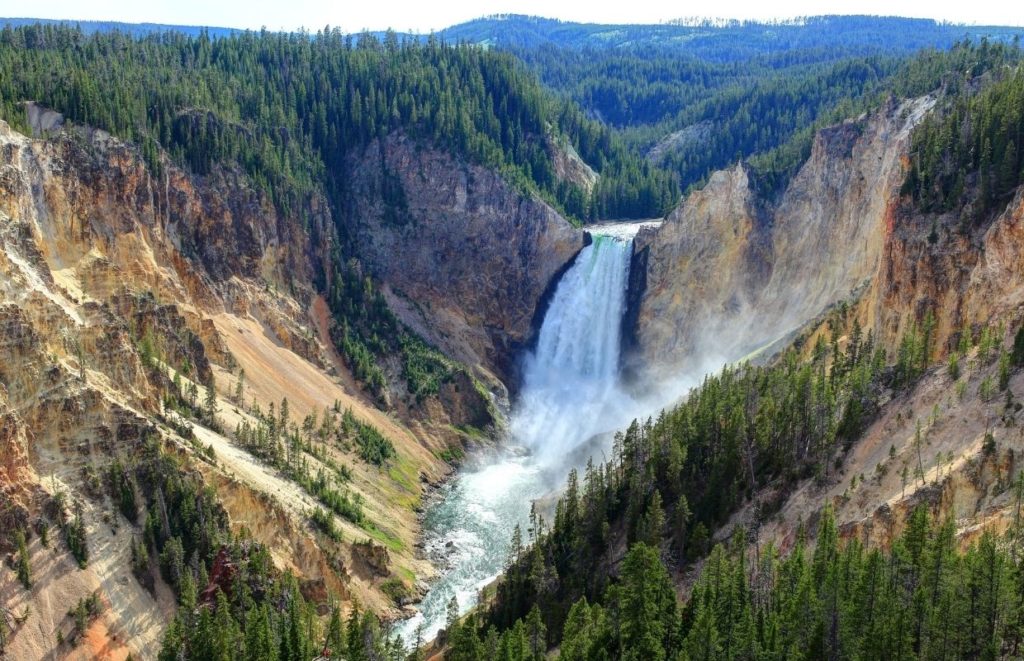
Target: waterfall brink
570, 385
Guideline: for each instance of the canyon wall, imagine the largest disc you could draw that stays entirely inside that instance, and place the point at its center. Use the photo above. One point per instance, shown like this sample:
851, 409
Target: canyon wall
465, 256
730, 271
118, 274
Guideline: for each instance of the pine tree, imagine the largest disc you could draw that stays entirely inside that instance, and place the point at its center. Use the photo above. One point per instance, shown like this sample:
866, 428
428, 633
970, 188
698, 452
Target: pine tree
210, 402
259, 637
23, 565
240, 387
647, 606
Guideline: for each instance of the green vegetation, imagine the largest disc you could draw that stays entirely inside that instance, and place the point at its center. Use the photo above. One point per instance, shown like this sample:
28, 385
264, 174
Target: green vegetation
396, 589
75, 537
324, 521
374, 448
259, 613
122, 489
83, 613
452, 455
24, 568
366, 332
969, 158
283, 444
922, 599
266, 617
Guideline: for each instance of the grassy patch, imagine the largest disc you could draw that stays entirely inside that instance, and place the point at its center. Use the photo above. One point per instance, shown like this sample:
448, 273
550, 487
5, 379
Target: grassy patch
392, 542
451, 455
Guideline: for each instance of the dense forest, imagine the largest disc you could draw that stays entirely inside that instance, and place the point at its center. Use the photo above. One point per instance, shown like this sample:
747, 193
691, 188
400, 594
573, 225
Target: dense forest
970, 158
694, 116
289, 108
921, 599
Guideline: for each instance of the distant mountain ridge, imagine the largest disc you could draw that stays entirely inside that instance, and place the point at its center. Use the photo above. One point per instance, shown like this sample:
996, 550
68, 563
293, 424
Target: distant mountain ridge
715, 40
134, 29
857, 35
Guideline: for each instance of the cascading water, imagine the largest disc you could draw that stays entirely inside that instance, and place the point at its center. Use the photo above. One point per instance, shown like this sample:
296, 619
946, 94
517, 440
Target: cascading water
570, 394
570, 385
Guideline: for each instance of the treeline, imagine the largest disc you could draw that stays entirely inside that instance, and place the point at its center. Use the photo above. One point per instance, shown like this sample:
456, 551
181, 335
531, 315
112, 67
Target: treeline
969, 158
716, 40
289, 108
921, 599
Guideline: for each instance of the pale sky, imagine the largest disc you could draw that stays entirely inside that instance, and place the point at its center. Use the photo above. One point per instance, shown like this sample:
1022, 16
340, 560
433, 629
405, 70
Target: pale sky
426, 15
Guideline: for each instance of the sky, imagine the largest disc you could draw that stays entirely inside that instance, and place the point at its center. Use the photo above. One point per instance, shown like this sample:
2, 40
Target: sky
426, 15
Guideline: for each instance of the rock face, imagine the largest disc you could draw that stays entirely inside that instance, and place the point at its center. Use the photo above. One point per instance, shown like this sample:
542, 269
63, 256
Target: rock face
466, 258
932, 264
729, 272
122, 278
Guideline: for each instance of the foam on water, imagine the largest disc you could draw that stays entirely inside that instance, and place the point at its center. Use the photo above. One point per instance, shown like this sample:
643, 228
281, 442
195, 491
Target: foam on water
570, 394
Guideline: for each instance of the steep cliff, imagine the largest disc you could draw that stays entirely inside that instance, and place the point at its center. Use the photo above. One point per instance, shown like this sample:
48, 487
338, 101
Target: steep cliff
114, 279
466, 258
729, 271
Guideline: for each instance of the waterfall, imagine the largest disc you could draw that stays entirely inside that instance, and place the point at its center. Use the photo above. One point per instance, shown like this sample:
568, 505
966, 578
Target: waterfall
570, 382
570, 394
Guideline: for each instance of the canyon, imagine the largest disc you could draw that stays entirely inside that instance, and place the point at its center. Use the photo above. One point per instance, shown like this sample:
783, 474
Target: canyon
119, 278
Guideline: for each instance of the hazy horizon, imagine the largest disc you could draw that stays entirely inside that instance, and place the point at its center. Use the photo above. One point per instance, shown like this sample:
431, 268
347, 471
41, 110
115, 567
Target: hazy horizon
313, 15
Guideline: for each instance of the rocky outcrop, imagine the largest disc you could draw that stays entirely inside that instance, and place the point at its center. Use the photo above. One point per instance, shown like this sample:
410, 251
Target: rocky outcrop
464, 256
705, 266
729, 272
569, 166
692, 137
17, 479
966, 274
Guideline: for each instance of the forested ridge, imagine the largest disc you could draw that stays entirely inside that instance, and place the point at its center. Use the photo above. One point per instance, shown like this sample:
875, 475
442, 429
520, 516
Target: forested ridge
289, 108
831, 37
694, 116
969, 158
